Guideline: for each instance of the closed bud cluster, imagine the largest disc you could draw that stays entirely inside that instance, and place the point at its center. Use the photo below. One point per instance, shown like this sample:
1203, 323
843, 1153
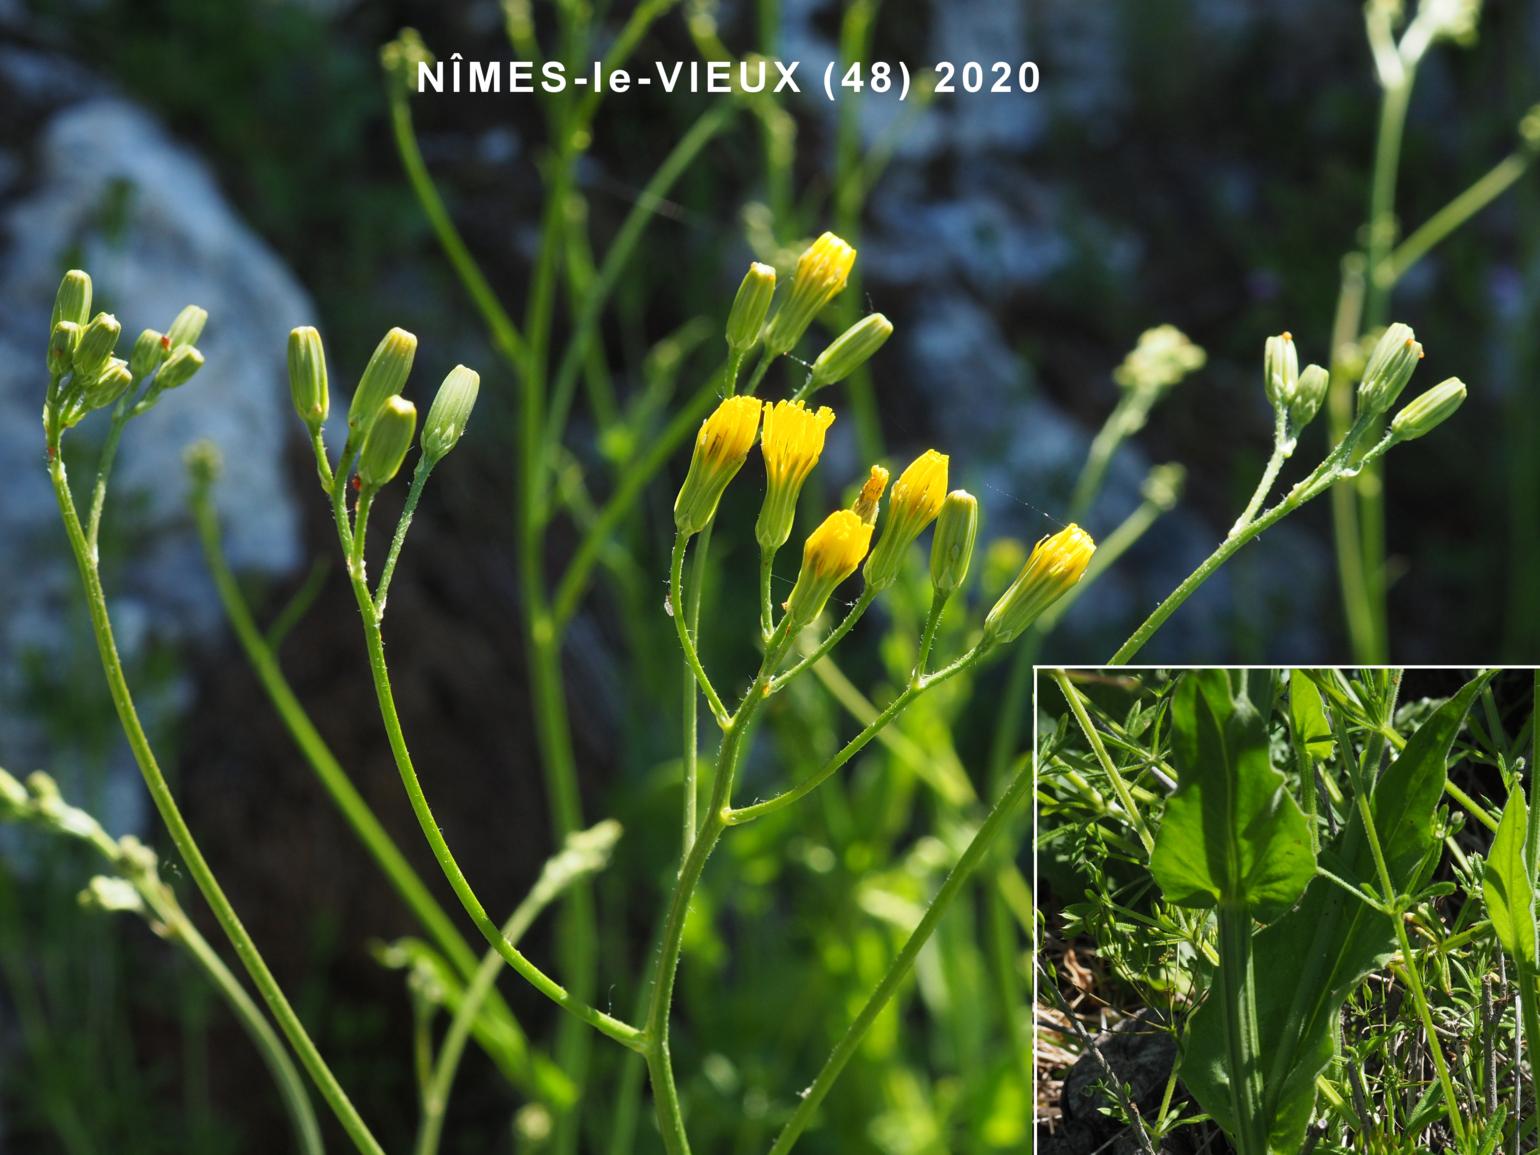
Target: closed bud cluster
307, 377
1280, 370
149, 351
832, 553
1055, 565
382, 378
791, 442
109, 385
61, 348
450, 412
822, 271
94, 349
390, 436
750, 307
721, 447
72, 302
187, 327
179, 369
1425, 413
867, 501
917, 497
850, 350
951, 550
1160, 359
1309, 395
1390, 367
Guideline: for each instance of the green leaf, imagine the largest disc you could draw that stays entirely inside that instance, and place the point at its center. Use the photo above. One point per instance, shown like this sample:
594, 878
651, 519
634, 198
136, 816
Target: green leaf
1509, 893
1331, 940
1307, 716
1231, 833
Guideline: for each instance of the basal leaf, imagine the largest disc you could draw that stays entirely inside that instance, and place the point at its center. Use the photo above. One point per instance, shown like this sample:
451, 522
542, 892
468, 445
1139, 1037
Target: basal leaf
1510, 896
1231, 832
1323, 948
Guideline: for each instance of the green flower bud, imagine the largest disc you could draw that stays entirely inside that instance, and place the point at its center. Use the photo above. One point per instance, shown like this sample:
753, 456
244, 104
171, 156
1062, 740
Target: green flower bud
13, 795
1160, 359
750, 307
851, 349
187, 327
94, 349
73, 300
951, 549
1425, 413
110, 384
307, 377
1162, 486
450, 412
1280, 370
111, 895
184, 362
61, 348
390, 436
383, 377
149, 351
1309, 394
1390, 367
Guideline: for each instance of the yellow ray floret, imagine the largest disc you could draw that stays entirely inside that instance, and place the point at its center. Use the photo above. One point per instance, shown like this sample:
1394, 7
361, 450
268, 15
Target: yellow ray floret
720, 449
832, 553
917, 497
792, 440
867, 500
1055, 565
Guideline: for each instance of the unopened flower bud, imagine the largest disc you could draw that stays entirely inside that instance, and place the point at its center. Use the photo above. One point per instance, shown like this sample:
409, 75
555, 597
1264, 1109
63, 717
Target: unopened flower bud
1425, 413
307, 377
917, 497
721, 447
450, 412
791, 443
867, 501
822, 270
831, 554
1309, 395
187, 327
113, 895
73, 300
390, 436
851, 349
1390, 367
1162, 486
1160, 359
13, 795
203, 462
383, 377
94, 349
750, 307
180, 368
109, 385
1280, 370
61, 348
1056, 563
951, 549
149, 351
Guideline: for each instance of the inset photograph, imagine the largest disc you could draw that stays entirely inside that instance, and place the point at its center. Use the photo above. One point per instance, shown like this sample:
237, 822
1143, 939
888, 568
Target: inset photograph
1286, 910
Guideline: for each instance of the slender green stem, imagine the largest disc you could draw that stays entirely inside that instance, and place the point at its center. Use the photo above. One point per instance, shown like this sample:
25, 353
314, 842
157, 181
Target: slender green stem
692, 603
1325, 475
504, 333
1498, 180
862, 604
766, 598
187, 846
1126, 417
682, 629
899, 968
413, 496
103, 472
1114, 776
738, 815
1269, 474
938, 601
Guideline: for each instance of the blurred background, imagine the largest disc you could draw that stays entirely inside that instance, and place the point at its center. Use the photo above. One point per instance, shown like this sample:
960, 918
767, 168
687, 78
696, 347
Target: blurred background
1204, 163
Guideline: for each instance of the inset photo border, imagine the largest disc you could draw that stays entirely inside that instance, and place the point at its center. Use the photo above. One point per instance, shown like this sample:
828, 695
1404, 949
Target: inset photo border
1285, 910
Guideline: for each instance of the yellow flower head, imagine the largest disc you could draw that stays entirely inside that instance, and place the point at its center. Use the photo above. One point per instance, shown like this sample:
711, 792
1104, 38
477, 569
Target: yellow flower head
917, 497
791, 442
832, 553
721, 447
822, 270
871, 493
1056, 563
